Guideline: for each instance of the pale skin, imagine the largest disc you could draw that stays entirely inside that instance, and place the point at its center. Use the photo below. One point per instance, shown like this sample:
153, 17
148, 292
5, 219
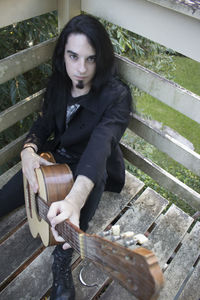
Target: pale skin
80, 62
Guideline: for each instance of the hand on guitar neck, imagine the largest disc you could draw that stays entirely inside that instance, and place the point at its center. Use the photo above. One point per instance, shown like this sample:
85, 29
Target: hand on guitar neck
70, 207
30, 162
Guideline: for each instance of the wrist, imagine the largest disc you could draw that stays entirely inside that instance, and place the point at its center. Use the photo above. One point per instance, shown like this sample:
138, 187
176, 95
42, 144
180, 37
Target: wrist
30, 146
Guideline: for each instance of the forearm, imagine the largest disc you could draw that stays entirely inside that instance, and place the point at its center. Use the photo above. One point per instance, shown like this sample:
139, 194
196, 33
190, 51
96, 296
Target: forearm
80, 191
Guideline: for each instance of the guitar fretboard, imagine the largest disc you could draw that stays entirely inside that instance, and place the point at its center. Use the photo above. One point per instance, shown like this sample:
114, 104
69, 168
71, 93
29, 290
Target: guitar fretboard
65, 230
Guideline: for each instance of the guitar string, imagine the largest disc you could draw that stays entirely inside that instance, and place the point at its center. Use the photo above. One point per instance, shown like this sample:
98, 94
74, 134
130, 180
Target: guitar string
67, 232
71, 236
74, 240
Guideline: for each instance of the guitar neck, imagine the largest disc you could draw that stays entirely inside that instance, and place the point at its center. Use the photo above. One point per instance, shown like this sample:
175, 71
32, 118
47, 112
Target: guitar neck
137, 270
69, 232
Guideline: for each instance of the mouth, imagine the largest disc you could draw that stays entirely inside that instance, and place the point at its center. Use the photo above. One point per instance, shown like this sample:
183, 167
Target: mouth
80, 78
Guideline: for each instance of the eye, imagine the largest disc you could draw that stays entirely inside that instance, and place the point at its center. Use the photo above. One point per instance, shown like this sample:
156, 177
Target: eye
91, 59
73, 56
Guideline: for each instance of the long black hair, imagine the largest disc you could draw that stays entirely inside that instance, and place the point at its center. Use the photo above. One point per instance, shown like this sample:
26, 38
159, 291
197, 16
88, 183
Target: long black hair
98, 38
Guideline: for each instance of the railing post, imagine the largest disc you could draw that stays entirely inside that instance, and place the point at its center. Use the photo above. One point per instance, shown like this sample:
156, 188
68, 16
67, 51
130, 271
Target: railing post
66, 10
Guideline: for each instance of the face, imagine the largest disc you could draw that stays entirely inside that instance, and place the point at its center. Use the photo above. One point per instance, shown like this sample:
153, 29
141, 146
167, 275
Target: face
80, 60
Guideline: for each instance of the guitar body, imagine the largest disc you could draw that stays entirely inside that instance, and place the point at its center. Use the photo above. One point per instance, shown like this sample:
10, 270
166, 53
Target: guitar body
55, 182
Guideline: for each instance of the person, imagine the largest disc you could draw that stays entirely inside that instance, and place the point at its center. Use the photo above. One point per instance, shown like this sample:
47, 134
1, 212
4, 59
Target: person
85, 112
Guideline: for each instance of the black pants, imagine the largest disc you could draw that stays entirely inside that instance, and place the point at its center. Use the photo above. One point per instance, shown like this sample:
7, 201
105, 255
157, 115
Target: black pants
12, 194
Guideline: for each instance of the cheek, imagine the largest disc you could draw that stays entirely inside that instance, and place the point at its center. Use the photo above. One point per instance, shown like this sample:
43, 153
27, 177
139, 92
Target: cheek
93, 70
68, 67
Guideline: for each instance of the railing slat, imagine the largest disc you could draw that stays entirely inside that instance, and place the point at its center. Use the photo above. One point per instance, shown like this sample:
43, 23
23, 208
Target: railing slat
21, 110
167, 144
161, 176
161, 88
26, 60
149, 20
12, 11
11, 150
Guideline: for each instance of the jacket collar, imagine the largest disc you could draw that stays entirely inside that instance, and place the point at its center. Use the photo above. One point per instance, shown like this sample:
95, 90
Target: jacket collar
89, 101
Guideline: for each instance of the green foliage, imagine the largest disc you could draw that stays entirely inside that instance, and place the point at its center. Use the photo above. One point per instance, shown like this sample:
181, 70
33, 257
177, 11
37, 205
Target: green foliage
141, 50
13, 39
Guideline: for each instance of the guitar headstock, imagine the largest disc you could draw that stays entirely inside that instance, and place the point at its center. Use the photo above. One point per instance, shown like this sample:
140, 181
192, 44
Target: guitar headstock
137, 270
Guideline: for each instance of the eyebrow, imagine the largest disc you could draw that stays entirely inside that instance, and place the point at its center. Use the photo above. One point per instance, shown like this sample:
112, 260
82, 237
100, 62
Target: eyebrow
71, 52
74, 53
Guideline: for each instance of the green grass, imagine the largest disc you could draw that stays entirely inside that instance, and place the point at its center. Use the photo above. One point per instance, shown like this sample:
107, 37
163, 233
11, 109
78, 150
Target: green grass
187, 74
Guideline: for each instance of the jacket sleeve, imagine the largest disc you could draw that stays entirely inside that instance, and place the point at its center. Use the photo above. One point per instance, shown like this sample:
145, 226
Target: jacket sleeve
106, 135
43, 127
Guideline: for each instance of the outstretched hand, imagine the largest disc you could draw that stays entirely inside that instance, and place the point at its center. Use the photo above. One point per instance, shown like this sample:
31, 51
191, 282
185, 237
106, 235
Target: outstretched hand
30, 162
60, 211
70, 207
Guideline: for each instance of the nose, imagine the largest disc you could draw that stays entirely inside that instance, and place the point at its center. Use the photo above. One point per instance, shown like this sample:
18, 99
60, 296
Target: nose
82, 66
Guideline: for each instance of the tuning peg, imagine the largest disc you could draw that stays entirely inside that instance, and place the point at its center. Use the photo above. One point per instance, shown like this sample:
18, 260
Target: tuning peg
125, 235
115, 231
137, 239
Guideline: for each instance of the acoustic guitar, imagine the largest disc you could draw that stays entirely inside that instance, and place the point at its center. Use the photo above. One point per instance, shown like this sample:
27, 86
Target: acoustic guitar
137, 270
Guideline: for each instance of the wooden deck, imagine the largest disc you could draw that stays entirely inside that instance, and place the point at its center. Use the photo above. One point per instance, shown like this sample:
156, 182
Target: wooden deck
25, 271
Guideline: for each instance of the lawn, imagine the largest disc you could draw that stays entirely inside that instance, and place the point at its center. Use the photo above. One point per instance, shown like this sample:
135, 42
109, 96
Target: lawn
187, 74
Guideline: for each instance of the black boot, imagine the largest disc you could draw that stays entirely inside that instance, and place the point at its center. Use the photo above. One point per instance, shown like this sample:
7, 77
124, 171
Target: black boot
63, 286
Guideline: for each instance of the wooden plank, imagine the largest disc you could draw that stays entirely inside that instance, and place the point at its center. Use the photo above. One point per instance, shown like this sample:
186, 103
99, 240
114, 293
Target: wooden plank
162, 241
168, 233
92, 276
161, 176
13, 12
159, 87
42, 262
116, 292
192, 288
5, 177
11, 150
181, 265
190, 8
21, 110
138, 218
166, 143
12, 221
143, 213
16, 250
26, 60
34, 281
104, 216
141, 17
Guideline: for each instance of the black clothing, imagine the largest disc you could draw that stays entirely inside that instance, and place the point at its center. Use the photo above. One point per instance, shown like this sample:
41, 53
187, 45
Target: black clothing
63, 285
90, 140
92, 135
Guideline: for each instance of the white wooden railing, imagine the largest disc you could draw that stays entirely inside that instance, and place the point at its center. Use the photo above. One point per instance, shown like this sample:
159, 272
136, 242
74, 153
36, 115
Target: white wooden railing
144, 17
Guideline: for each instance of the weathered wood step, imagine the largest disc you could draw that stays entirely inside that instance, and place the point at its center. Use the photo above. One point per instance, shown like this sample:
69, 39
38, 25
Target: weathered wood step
181, 265
39, 270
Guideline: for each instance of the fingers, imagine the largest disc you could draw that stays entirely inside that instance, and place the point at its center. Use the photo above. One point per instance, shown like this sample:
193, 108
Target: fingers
59, 212
45, 162
30, 162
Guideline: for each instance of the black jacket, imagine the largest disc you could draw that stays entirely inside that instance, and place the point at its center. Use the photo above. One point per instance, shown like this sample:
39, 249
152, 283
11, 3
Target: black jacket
93, 134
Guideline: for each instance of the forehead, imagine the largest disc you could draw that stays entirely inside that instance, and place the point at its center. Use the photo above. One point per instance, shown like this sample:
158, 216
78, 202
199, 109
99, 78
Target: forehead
79, 44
